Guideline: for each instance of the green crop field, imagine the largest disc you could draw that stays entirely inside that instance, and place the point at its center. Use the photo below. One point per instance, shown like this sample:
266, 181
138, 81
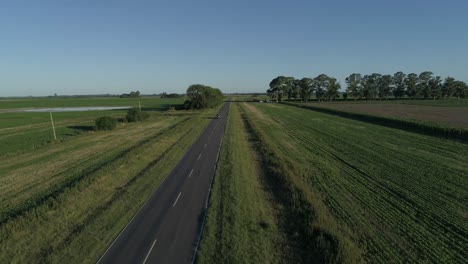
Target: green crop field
367, 192
75, 194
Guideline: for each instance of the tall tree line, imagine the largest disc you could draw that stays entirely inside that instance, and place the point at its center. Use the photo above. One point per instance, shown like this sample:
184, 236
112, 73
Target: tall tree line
324, 87
369, 87
400, 85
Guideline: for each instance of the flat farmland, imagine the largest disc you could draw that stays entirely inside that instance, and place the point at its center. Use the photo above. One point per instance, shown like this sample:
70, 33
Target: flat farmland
148, 102
76, 193
451, 114
384, 194
22, 132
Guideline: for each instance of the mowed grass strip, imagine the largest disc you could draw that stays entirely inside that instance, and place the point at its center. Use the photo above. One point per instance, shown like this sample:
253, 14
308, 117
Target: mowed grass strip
77, 225
398, 196
240, 225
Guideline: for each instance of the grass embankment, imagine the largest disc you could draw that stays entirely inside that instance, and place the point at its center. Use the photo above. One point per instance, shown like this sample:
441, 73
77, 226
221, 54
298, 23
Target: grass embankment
395, 196
67, 202
240, 225
417, 126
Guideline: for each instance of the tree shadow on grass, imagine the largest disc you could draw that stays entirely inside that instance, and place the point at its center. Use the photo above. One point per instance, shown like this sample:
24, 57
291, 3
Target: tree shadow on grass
82, 128
164, 107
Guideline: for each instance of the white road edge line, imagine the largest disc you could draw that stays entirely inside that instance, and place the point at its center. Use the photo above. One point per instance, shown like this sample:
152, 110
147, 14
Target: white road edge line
141, 208
190, 173
177, 199
147, 255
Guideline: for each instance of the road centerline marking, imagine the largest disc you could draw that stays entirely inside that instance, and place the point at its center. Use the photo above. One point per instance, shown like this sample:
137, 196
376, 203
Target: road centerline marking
149, 252
177, 199
205, 146
199, 156
190, 173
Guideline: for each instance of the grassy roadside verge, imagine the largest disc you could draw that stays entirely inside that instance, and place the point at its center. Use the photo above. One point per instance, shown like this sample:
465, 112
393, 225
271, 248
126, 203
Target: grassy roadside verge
313, 234
240, 225
77, 225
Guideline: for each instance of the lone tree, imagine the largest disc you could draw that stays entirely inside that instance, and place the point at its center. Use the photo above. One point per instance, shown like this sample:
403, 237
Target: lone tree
203, 96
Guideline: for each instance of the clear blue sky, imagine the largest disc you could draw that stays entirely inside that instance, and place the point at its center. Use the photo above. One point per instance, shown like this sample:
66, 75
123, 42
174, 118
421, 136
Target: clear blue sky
112, 46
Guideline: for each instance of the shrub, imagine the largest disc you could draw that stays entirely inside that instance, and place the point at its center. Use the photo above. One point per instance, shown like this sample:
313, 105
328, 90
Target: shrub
106, 123
135, 115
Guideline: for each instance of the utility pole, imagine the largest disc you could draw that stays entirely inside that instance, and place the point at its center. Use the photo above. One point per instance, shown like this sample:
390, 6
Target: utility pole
53, 127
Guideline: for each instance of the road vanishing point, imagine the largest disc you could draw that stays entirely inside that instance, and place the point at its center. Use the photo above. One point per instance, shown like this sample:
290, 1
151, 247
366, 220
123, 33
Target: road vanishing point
168, 227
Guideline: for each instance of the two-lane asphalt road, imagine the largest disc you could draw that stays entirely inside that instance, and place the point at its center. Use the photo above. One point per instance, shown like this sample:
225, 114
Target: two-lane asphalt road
168, 226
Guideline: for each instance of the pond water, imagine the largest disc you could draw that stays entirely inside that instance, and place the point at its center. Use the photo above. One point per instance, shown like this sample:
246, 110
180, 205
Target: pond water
70, 109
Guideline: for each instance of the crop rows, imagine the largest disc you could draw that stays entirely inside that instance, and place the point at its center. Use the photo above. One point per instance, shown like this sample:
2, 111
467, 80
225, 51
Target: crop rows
399, 196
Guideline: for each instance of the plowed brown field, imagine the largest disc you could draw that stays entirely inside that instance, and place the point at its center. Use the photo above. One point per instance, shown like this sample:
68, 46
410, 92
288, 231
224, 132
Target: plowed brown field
448, 116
